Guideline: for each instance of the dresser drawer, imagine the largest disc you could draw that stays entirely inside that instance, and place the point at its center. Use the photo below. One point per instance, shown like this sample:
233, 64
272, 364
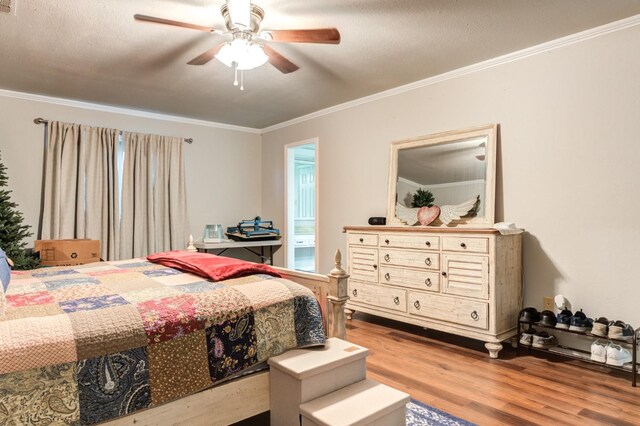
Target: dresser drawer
465, 275
419, 279
377, 295
427, 242
412, 258
466, 244
449, 309
362, 239
363, 263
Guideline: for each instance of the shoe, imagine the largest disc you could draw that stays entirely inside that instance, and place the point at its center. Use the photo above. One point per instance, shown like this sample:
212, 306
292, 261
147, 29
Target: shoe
621, 331
617, 355
600, 327
529, 315
526, 338
599, 350
548, 319
544, 340
580, 322
563, 320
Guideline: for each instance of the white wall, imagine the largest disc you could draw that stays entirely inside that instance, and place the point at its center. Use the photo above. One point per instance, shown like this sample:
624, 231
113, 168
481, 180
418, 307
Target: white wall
223, 166
569, 164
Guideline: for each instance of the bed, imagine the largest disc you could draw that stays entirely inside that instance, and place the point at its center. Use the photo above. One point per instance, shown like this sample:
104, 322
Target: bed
136, 342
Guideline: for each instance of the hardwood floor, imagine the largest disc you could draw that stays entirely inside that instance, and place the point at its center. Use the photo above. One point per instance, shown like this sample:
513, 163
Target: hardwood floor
456, 375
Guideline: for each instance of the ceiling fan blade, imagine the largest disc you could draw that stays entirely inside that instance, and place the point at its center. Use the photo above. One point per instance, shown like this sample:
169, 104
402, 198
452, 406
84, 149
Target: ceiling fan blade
206, 56
240, 12
319, 35
283, 65
174, 23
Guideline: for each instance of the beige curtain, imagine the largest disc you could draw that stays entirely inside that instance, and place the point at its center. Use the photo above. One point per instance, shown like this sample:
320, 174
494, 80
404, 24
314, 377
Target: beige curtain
154, 203
81, 184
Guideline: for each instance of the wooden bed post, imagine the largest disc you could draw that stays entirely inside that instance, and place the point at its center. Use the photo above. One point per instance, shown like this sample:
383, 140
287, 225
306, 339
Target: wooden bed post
338, 279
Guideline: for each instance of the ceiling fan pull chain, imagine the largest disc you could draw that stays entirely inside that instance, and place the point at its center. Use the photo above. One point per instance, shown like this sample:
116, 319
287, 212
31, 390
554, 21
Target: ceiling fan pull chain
235, 72
241, 79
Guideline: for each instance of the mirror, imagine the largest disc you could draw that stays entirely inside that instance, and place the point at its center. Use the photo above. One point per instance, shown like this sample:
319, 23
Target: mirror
445, 179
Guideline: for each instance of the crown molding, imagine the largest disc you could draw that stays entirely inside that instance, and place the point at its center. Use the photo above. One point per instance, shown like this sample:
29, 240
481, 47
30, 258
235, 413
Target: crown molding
480, 66
121, 110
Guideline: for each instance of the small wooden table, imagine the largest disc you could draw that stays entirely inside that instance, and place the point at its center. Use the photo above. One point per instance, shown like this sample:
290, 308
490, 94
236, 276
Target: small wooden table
247, 245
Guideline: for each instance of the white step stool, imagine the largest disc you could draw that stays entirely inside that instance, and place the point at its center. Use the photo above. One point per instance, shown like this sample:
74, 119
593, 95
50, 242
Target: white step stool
302, 375
363, 403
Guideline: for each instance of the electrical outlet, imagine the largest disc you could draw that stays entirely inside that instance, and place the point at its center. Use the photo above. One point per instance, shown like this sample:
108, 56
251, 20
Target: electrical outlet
548, 303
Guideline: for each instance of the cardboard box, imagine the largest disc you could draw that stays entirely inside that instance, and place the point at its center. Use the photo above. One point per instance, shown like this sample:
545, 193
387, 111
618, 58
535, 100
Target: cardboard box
67, 252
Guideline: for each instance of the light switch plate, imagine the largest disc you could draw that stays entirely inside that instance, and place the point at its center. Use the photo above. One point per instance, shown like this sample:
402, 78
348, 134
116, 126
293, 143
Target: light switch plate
8, 6
548, 303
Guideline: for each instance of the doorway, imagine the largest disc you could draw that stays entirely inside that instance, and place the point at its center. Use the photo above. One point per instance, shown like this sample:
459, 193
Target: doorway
301, 205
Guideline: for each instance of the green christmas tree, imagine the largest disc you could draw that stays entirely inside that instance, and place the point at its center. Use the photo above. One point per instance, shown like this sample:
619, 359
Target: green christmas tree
12, 230
423, 198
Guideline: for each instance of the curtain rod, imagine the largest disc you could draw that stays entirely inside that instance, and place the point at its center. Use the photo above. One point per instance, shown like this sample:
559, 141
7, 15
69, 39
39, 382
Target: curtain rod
40, 120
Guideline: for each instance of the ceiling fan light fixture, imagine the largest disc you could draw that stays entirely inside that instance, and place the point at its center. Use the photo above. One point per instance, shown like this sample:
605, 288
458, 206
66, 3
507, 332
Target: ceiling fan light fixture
246, 55
246, 51
255, 57
231, 51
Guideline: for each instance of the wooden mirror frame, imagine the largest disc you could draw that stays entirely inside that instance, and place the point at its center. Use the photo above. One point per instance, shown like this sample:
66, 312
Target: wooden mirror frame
490, 132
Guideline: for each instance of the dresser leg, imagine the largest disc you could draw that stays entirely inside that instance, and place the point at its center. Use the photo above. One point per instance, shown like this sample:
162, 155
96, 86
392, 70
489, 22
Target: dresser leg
349, 313
494, 349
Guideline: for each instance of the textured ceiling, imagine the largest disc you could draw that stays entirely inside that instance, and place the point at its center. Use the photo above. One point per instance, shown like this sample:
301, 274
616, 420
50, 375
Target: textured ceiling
94, 50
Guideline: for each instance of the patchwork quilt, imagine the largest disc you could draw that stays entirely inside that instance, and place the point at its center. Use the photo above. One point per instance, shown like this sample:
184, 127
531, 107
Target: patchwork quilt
86, 344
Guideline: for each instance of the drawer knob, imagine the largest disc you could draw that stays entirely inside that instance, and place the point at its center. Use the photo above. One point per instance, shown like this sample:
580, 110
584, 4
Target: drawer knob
387, 276
428, 261
386, 241
375, 266
355, 293
428, 282
362, 240
463, 245
428, 243
475, 316
387, 257
417, 304
444, 274
396, 300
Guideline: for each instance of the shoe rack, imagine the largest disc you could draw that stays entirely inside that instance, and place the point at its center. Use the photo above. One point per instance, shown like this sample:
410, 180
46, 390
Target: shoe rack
579, 354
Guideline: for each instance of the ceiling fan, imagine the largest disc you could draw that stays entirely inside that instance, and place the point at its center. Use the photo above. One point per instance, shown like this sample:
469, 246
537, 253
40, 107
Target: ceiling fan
247, 48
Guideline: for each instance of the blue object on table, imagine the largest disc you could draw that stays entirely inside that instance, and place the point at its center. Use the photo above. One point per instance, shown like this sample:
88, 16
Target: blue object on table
5, 270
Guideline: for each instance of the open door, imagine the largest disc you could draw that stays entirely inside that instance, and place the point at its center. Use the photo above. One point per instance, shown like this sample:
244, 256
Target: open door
301, 206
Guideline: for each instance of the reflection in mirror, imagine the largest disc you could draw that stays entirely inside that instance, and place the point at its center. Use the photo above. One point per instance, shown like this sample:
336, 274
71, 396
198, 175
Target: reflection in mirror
453, 172
446, 179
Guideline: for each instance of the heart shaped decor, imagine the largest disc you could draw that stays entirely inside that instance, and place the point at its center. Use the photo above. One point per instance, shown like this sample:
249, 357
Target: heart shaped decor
427, 215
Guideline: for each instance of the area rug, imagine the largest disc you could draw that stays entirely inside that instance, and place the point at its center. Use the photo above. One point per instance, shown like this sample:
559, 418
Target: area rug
419, 414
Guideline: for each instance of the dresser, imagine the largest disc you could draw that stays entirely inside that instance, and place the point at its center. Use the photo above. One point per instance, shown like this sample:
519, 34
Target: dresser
462, 281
